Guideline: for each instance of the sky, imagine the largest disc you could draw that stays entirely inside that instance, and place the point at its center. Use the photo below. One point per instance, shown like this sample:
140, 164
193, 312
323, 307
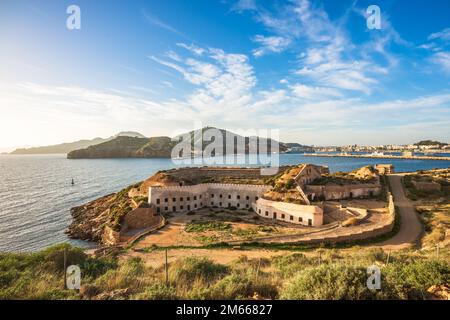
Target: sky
312, 70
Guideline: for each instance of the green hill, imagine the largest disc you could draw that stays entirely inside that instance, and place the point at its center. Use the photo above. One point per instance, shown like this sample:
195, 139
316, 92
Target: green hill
161, 147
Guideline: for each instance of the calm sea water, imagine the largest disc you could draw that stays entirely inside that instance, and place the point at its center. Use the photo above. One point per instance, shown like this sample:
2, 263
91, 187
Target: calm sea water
36, 192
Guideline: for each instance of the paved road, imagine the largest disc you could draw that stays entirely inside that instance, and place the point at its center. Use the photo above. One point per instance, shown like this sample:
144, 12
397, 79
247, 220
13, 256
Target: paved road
410, 227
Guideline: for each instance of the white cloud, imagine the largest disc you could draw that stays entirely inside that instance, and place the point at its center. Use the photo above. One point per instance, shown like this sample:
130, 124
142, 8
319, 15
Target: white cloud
270, 44
244, 5
160, 24
192, 48
442, 35
442, 59
314, 93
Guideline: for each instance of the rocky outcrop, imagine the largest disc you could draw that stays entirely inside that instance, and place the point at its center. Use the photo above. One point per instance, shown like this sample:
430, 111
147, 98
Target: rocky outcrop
89, 220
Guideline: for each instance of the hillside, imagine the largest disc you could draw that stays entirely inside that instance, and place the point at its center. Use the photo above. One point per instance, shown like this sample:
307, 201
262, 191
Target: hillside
127, 147
60, 148
70, 146
161, 147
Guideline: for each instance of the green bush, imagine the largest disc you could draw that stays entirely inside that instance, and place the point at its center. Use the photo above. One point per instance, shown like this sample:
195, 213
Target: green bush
329, 282
157, 291
410, 280
185, 272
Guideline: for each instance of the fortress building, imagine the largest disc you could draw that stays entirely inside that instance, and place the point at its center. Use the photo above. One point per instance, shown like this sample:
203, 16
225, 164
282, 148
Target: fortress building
180, 198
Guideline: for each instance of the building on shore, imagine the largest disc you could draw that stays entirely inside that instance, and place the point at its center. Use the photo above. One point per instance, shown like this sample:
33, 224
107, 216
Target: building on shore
185, 198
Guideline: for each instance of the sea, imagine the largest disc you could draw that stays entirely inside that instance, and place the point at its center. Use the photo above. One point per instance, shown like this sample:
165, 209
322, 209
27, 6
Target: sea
36, 191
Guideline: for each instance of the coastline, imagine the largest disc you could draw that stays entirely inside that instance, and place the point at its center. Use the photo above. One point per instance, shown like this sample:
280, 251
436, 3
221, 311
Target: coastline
376, 156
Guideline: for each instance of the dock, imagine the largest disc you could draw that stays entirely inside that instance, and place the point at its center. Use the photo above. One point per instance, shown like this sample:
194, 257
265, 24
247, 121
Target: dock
376, 156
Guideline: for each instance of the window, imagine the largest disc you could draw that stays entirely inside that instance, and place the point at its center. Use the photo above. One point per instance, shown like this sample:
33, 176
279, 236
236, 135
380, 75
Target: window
157, 201
309, 222
166, 208
220, 196
195, 197
212, 203
174, 208
200, 196
188, 198
220, 203
195, 205
181, 207
201, 204
256, 198
174, 199
158, 209
267, 213
229, 196
291, 218
166, 200
259, 210
282, 216
181, 199
247, 198
238, 197
212, 195
246, 205
189, 207
300, 219
237, 205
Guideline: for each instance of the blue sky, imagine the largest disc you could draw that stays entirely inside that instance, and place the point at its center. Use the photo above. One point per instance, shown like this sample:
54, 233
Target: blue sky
311, 69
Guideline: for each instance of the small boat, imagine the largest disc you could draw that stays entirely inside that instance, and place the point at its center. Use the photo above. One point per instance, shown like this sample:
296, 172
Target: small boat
73, 182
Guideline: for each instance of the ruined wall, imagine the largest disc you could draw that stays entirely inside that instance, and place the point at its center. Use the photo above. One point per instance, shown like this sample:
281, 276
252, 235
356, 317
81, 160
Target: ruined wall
141, 218
309, 173
336, 192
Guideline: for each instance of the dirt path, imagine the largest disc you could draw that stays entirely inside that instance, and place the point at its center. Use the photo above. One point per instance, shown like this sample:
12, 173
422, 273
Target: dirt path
410, 227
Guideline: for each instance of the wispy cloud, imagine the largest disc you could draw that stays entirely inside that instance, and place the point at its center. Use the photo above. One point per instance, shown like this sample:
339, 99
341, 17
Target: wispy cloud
442, 35
270, 44
153, 20
192, 48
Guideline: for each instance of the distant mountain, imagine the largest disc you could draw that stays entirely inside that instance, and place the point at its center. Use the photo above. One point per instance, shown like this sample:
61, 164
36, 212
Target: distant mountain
127, 147
160, 147
70, 146
60, 148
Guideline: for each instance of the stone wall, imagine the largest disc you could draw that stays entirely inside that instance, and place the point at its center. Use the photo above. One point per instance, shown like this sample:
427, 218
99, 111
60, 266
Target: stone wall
141, 218
192, 174
187, 198
309, 173
337, 192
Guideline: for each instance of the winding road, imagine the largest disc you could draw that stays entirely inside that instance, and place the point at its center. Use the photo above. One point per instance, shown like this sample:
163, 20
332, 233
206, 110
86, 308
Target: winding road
410, 226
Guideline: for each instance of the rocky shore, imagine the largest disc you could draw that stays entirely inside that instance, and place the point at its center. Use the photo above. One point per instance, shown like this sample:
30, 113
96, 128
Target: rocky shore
89, 220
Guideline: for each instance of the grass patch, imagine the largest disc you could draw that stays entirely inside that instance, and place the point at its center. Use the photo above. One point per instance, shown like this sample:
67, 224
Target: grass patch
200, 226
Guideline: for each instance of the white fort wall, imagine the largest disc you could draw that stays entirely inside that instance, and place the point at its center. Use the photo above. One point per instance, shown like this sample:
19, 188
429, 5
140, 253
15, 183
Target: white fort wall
187, 198
306, 215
